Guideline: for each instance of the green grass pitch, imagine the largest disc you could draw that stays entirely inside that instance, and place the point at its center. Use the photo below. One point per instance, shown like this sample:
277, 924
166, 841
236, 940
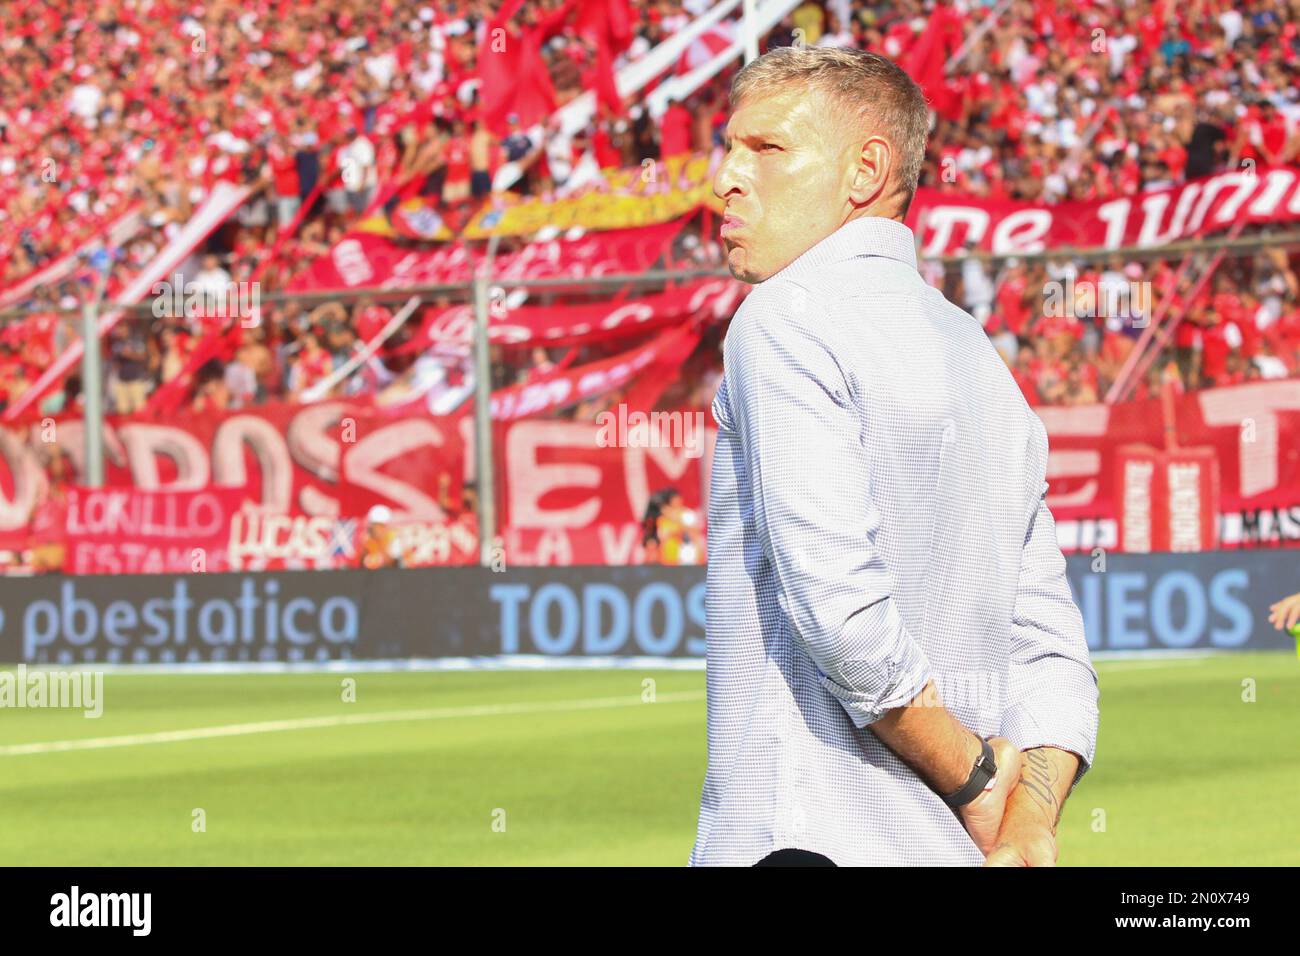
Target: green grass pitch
570, 767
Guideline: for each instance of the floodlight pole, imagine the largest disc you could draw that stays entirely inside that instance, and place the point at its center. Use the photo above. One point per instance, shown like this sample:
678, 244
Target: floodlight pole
92, 388
487, 515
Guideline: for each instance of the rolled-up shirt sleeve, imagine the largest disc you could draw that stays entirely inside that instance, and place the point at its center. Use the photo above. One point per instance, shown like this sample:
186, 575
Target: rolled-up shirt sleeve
1052, 685
809, 471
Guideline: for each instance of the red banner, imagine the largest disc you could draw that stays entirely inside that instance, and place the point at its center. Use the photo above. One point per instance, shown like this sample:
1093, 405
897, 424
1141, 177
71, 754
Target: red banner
129, 531
575, 491
585, 476
563, 480
328, 459
607, 543
947, 221
1253, 430
714, 299
654, 364
363, 259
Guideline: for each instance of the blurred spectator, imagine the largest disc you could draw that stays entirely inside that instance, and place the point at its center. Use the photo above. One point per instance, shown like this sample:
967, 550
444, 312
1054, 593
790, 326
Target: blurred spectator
380, 546
128, 375
670, 530
49, 514
310, 366
240, 380
675, 130
809, 18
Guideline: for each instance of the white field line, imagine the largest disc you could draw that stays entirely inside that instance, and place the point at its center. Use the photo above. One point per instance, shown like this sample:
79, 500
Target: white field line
312, 723
1107, 662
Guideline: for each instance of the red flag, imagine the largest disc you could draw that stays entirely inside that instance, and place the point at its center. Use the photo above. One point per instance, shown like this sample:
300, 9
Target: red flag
928, 55
218, 344
607, 25
609, 20
513, 76
606, 86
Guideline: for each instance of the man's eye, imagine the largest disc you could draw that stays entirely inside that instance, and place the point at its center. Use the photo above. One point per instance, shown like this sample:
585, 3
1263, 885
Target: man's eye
769, 146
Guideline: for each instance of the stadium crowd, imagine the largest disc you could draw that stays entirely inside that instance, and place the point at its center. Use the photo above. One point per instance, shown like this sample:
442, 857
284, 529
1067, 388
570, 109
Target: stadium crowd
110, 106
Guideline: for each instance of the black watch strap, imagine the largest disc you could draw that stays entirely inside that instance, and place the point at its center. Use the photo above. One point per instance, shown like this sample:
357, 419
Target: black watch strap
983, 771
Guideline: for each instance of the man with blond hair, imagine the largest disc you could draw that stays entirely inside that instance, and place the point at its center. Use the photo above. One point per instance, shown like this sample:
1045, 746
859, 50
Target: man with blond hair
897, 672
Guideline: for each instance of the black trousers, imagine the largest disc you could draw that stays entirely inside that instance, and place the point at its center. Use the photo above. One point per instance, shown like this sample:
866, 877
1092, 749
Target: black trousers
793, 857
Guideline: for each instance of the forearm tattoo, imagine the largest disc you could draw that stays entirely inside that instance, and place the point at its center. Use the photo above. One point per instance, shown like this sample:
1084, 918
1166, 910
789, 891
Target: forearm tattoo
1038, 775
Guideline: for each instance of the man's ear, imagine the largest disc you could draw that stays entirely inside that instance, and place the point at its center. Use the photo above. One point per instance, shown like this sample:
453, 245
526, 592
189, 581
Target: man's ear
872, 166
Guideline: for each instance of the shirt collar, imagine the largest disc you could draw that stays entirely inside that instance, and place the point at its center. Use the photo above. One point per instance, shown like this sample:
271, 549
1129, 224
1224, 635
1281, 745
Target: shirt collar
867, 236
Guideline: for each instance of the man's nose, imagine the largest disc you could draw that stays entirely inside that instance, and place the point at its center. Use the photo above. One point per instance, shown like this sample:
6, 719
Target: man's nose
727, 178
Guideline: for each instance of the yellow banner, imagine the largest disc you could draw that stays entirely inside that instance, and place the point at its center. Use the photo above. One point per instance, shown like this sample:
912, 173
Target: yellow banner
629, 197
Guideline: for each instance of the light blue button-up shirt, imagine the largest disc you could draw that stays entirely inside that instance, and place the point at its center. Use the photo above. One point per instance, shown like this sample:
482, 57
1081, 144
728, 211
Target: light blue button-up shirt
876, 520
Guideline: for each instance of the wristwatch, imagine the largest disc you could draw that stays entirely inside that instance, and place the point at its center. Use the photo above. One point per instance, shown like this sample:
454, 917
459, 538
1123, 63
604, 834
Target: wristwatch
981, 779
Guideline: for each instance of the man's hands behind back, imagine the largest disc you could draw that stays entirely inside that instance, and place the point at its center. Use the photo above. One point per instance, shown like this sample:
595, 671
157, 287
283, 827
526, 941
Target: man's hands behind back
1027, 835
982, 817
